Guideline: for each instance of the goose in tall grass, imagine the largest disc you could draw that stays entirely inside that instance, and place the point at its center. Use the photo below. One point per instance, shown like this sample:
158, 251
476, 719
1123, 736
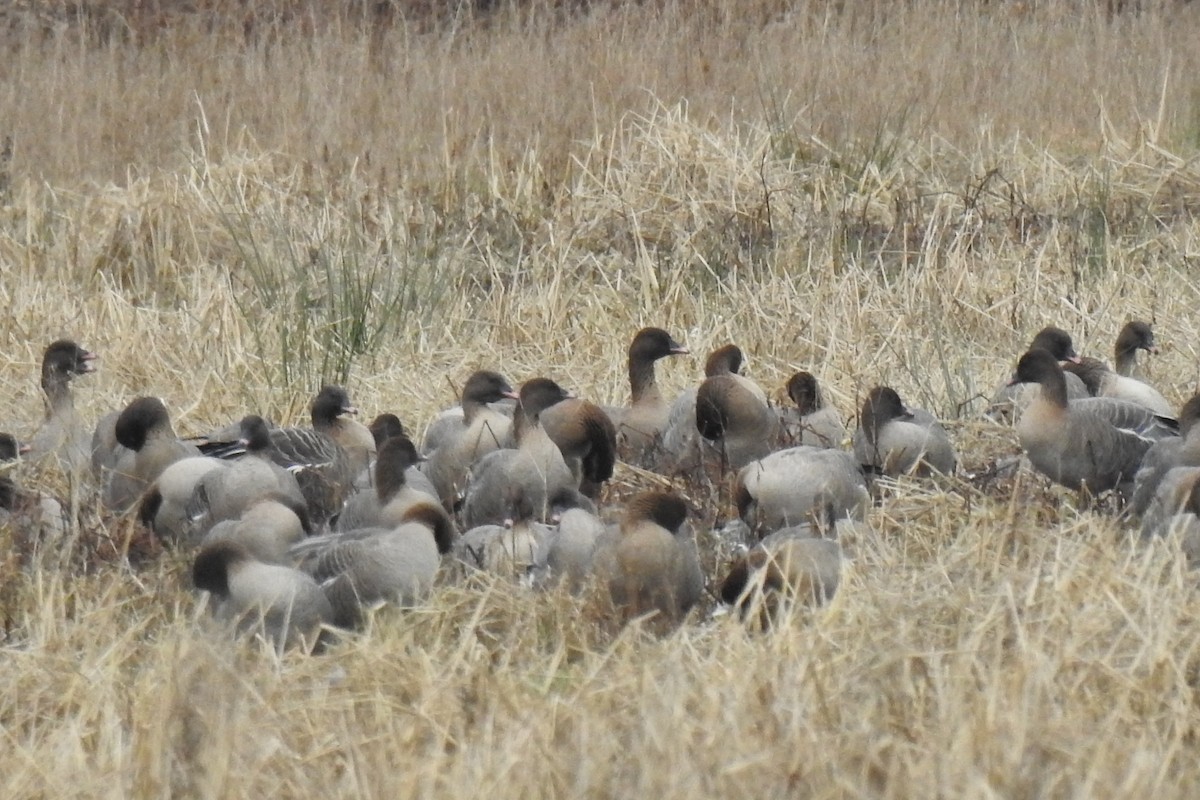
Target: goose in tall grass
732, 411
536, 465
144, 429
1094, 444
1167, 454
893, 439
1101, 381
798, 485
786, 569
640, 425
811, 421
1010, 398
62, 435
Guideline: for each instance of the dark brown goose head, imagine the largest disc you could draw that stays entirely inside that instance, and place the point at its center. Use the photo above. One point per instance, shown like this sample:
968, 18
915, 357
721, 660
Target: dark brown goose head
9, 449
802, 388
143, 417
1136, 335
1056, 342
384, 427
61, 362
1041, 367
724, 361
254, 434
483, 387
664, 509
395, 456
210, 571
539, 394
882, 405
435, 518
329, 404
647, 347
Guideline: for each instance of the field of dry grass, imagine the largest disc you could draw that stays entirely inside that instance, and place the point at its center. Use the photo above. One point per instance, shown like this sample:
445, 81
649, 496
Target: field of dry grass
880, 193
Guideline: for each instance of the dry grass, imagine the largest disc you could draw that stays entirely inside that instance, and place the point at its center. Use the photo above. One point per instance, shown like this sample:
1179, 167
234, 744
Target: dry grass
881, 194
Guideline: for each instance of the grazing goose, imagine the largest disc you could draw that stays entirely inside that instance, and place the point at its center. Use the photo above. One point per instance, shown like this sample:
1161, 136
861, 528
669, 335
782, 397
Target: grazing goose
732, 411
798, 485
63, 435
509, 550
653, 566
790, 568
1010, 399
587, 439
225, 494
282, 604
1167, 454
144, 430
537, 465
392, 496
894, 440
267, 529
1095, 444
683, 449
480, 431
811, 422
361, 569
640, 426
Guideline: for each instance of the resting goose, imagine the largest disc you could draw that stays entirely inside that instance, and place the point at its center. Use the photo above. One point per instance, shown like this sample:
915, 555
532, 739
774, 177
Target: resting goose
811, 422
640, 426
282, 604
480, 431
63, 435
799, 485
893, 440
653, 566
1167, 454
1010, 399
568, 550
587, 439
1095, 444
508, 550
166, 507
683, 449
391, 496
792, 567
732, 411
144, 430
363, 568
267, 529
536, 465
1103, 382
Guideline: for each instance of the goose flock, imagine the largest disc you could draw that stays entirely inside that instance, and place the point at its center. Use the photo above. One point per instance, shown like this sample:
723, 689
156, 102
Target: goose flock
297, 532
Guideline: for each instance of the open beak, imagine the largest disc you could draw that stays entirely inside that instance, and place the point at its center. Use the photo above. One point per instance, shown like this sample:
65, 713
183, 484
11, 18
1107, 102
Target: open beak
88, 358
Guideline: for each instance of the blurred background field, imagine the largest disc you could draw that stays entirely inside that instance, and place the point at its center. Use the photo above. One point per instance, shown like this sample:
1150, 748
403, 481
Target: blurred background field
232, 202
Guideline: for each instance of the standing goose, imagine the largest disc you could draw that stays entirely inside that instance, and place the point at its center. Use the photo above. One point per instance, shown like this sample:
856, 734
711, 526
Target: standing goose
391, 495
798, 485
653, 566
1095, 444
1167, 454
894, 440
536, 465
811, 422
63, 435
788, 568
640, 426
144, 430
282, 604
1104, 382
363, 568
480, 431
1010, 399
733, 412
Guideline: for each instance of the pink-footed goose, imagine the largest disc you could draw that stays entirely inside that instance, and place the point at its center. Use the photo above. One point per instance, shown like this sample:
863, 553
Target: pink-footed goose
811, 421
640, 426
1010, 399
1104, 382
144, 430
800, 485
1096, 443
732, 411
63, 435
1167, 454
788, 569
895, 440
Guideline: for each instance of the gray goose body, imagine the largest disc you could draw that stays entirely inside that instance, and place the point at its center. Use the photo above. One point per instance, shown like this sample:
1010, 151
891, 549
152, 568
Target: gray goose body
895, 440
1010, 398
799, 485
1166, 454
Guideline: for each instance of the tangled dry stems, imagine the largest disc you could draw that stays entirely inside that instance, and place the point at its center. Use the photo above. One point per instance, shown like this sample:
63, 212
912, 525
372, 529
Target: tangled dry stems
906, 213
